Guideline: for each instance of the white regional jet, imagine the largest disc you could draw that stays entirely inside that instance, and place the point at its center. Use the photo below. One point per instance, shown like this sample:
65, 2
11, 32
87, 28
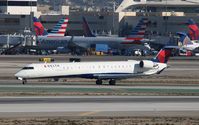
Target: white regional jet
112, 70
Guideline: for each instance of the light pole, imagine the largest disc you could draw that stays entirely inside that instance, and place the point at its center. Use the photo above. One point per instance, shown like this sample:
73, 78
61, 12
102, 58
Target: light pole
166, 17
31, 16
113, 21
7, 7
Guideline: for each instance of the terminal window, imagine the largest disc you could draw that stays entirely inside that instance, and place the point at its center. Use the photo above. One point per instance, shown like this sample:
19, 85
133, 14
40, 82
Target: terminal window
18, 3
11, 21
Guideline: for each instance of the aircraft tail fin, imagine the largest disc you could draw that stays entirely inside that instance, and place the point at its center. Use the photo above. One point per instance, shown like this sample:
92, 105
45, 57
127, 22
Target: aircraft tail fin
38, 27
184, 38
86, 28
140, 29
193, 29
60, 28
164, 54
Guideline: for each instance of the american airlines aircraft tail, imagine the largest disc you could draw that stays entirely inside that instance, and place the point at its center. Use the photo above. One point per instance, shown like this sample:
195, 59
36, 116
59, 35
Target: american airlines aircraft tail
110, 70
140, 29
58, 30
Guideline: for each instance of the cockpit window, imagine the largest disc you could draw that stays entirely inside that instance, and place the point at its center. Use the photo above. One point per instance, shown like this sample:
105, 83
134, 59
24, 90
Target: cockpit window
27, 68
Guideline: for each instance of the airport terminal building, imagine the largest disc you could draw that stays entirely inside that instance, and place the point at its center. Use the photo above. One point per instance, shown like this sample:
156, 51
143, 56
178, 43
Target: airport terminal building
15, 15
165, 16
19, 7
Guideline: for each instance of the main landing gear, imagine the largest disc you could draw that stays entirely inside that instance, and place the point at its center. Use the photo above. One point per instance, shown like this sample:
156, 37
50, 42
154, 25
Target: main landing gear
99, 82
111, 82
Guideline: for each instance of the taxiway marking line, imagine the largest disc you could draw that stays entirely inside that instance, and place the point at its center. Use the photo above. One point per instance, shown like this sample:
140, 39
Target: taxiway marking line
89, 113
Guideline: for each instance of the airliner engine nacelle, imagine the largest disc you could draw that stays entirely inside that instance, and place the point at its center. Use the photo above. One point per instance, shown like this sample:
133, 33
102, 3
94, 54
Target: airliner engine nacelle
146, 64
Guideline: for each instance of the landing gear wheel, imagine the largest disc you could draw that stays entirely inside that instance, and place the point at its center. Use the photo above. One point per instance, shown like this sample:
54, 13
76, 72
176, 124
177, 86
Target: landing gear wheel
24, 81
112, 82
99, 82
56, 79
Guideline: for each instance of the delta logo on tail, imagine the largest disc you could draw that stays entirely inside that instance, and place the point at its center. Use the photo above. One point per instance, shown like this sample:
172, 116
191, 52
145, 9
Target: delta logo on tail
39, 28
193, 29
58, 30
184, 38
186, 42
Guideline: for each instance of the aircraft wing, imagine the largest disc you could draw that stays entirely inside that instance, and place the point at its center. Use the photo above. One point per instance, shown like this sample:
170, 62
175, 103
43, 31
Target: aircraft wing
138, 41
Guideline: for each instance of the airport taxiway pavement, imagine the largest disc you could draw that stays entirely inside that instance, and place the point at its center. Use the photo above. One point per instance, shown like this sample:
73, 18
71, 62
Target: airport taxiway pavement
42, 90
99, 106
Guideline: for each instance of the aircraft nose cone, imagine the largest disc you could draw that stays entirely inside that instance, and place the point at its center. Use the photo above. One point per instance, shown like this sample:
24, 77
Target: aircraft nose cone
16, 75
19, 74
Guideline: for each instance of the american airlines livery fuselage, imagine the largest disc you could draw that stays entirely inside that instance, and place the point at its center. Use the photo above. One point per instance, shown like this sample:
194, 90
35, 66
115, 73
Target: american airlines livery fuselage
52, 42
112, 70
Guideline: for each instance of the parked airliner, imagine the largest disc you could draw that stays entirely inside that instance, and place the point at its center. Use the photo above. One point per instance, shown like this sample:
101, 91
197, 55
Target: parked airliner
112, 70
135, 39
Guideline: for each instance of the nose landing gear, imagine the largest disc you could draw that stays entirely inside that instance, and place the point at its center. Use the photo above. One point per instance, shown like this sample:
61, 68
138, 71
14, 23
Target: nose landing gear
24, 81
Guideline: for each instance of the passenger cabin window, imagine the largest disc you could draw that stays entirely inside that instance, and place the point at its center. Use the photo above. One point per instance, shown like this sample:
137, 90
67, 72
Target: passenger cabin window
136, 0
28, 68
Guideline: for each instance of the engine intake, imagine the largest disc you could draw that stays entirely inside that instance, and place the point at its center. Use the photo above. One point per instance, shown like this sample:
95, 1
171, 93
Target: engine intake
146, 64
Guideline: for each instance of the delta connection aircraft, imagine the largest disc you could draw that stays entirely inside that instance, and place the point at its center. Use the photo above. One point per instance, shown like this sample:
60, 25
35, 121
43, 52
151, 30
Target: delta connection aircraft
112, 70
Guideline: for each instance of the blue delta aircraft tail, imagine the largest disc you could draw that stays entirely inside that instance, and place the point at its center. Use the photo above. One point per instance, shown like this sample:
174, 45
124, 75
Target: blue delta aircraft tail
193, 29
86, 28
58, 30
184, 38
